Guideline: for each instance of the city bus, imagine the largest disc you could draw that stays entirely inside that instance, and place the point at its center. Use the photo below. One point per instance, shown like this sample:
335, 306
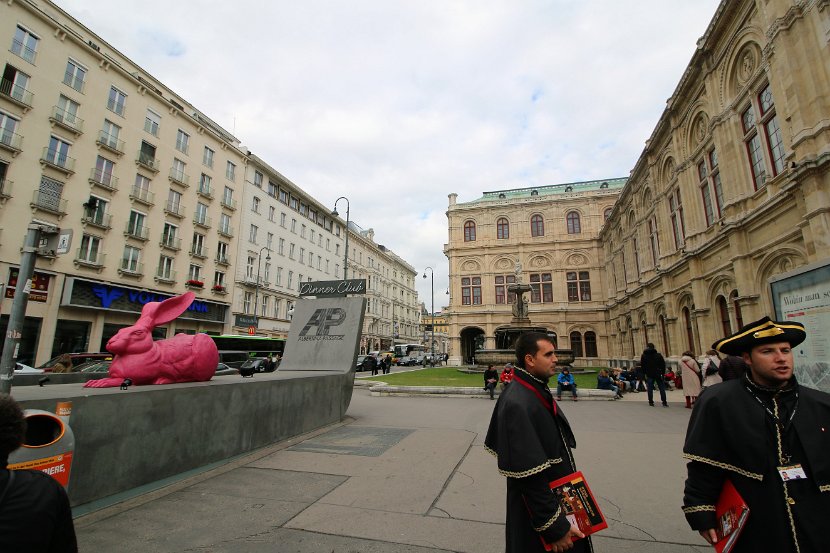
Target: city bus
407, 350
235, 349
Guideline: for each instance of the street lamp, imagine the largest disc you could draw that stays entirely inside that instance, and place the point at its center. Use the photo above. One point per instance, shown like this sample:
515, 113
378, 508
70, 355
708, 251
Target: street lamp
256, 289
334, 214
432, 315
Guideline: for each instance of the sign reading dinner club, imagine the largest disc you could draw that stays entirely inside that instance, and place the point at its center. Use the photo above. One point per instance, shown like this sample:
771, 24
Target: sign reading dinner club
333, 288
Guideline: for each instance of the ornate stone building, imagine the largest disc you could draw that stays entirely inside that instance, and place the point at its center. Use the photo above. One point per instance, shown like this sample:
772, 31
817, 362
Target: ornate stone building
732, 187
547, 237
730, 191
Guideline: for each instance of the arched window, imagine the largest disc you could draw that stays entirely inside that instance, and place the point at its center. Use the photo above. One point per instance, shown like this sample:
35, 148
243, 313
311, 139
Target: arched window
537, 226
502, 229
607, 213
469, 231
502, 196
534, 192
604, 185
590, 344
576, 343
574, 227
726, 326
569, 189
645, 332
665, 335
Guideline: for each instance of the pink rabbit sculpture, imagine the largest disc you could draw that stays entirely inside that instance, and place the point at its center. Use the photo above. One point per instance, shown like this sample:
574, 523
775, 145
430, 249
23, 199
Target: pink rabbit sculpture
182, 358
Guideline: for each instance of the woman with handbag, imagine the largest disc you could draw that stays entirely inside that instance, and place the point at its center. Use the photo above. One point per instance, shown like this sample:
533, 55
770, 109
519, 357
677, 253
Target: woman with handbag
710, 369
691, 375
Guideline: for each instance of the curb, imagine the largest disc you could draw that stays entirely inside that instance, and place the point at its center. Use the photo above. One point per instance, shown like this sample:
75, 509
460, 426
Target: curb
378, 389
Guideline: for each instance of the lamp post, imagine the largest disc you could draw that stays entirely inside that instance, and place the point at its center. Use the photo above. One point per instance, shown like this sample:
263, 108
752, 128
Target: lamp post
432, 313
256, 288
335, 214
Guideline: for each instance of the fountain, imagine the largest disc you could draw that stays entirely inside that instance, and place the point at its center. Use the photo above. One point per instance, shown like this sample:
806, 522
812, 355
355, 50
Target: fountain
505, 351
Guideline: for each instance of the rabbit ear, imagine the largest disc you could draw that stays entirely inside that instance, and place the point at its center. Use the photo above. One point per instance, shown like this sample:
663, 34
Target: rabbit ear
158, 313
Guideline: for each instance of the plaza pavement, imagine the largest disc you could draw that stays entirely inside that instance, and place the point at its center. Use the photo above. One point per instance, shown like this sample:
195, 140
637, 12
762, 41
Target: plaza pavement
408, 475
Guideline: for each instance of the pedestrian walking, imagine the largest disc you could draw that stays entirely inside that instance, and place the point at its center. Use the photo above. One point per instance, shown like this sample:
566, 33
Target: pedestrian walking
532, 440
491, 378
692, 378
654, 367
770, 437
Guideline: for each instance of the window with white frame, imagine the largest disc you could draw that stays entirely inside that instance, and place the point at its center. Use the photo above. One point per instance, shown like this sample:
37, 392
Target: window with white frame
177, 171
135, 224
272, 213
194, 272
75, 75
219, 278
302, 255
255, 204
130, 261
711, 190
252, 234
227, 196
8, 130
282, 220
277, 307
174, 201
249, 267
182, 141
676, 214
281, 247
257, 179
197, 245
90, 248
269, 240
58, 152
103, 171
110, 133
291, 251
152, 121
204, 185
24, 44
279, 276
222, 252
165, 269
290, 278
201, 213
654, 241
247, 301
169, 235
230, 171
116, 101
207, 157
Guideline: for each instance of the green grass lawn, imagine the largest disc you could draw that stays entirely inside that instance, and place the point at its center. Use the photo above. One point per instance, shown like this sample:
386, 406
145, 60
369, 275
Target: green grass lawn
450, 376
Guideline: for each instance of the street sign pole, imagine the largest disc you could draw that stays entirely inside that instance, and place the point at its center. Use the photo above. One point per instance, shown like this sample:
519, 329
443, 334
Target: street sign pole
14, 331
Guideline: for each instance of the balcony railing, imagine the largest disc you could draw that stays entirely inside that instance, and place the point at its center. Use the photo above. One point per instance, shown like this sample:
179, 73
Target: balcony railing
110, 142
202, 220
147, 161
10, 140
226, 231
16, 93
182, 147
142, 195
166, 275
229, 203
5, 189
139, 232
97, 219
58, 160
130, 267
179, 177
48, 202
174, 209
171, 242
103, 179
20, 49
197, 251
67, 120
89, 258
73, 80
222, 260
205, 191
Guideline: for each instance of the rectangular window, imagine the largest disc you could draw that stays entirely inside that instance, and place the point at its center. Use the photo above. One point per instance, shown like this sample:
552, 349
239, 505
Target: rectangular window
247, 301
116, 101
169, 235
772, 130
272, 213
130, 260
471, 290
257, 179
110, 133
103, 171
291, 251
182, 141
227, 196
273, 189
502, 295
654, 241
174, 201
152, 120
90, 248
225, 224
207, 157
135, 224
24, 44
279, 276
230, 171
302, 255
58, 152
281, 247
165, 270
194, 272
197, 246
252, 234
75, 75
222, 252
579, 286
219, 278
294, 203
541, 288
67, 111
282, 220
676, 215
201, 213
290, 278
177, 171
204, 185
284, 196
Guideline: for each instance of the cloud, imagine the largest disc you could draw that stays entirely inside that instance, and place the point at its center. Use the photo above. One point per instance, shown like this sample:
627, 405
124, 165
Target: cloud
398, 104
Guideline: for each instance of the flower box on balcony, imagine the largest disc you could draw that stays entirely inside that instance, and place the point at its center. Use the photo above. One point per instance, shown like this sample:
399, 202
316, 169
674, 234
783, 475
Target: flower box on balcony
218, 288
195, 283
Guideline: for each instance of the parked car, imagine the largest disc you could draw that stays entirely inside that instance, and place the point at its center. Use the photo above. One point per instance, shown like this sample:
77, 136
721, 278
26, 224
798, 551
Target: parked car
223, 369
359, 363
408, 361
258, 364
93, 367
20, 368
75, 359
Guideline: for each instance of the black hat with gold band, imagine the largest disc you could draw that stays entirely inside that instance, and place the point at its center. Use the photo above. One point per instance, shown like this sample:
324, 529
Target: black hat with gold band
764, 331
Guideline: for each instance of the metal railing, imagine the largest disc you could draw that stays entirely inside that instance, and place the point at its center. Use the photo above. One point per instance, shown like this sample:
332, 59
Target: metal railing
73, 80
86, 257
222, 260
132, 230
97, 219
16, 92
179, 177
202, 220
57, 159
67, 120
10, 140
174, 209
230, 203
110, 142
171, 242
148, 161
6, 188
20, 49
197, 251
131, 267
103, 179
142, 195
48, 202
205, 190
226, 231
166, 276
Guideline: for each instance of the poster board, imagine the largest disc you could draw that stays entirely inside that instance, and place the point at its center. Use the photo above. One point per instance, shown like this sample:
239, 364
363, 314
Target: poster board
803, 295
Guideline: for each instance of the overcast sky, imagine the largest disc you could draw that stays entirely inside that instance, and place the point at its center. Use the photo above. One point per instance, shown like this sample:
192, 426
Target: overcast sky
396, 104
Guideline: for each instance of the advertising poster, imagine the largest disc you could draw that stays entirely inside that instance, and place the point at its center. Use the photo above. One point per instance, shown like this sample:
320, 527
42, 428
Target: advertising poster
804, 296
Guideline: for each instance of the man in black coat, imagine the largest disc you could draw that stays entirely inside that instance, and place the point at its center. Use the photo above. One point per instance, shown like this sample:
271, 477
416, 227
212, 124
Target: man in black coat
532, 441
770, 437
654, 367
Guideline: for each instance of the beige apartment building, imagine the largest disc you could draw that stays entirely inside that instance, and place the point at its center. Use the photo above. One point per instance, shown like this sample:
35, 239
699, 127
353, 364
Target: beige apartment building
143, 186
730, 193
546, 237
392, 302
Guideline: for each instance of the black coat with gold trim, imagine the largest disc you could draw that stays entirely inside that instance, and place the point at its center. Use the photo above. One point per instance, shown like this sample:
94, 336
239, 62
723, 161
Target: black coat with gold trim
733, 434
533, 447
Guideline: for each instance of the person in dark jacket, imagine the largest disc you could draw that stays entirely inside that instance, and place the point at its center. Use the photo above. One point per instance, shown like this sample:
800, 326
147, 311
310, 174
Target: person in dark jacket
654, 367
370, 364
34, 508
491, 378
767, 435
732, 368
532, 441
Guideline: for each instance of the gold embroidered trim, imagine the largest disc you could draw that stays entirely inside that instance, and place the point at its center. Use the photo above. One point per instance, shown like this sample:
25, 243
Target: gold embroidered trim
825, 488
491, 452
548, 524
725, 466
699, 509
530, 472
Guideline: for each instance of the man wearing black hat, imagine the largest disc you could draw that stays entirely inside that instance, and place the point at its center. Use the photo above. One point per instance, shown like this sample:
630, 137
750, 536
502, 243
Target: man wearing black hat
771, 438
